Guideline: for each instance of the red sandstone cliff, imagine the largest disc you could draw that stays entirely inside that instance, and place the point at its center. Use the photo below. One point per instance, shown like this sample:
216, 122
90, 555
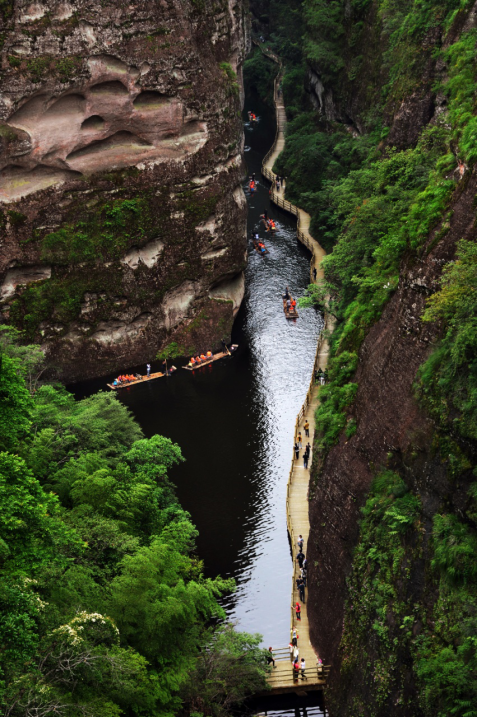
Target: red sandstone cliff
122, 216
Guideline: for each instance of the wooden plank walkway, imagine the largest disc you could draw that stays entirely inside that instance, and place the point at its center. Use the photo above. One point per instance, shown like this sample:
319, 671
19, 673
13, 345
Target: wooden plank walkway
281, 679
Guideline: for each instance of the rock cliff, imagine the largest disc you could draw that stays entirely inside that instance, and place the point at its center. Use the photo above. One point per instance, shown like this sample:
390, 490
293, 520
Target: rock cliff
381, 152
122, 215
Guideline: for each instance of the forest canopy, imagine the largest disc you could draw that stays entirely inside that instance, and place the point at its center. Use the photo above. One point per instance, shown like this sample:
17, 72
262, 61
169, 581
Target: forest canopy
104, 609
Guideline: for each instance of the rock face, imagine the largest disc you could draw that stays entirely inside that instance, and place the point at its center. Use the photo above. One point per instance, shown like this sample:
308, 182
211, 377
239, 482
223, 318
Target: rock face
120, 159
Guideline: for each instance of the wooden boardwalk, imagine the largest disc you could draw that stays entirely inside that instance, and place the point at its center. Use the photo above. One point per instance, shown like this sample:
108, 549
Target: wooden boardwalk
281, 679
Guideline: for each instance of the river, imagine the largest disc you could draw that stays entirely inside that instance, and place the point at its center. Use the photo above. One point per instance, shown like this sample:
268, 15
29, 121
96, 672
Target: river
234, 420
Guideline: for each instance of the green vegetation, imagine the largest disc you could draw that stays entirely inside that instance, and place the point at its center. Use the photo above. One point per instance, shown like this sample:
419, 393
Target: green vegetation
104, 608
409, 631
258, 73
231, 76
400, 622
104, 234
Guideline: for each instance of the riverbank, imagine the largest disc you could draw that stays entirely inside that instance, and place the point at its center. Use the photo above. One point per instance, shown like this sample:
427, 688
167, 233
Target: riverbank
299, 477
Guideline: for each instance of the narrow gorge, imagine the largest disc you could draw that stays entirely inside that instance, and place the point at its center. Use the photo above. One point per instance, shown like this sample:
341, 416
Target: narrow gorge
145, 561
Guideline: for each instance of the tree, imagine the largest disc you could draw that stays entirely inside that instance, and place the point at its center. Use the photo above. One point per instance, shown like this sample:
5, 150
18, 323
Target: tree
172, 602
32, 531
15, 404
229, 669
171, 351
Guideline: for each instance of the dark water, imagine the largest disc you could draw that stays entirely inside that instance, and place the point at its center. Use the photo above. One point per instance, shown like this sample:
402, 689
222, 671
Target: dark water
234, 420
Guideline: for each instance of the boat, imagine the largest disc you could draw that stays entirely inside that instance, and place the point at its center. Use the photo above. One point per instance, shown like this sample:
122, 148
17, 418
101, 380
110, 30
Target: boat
140, 379
292, 314
257, 248
215, 357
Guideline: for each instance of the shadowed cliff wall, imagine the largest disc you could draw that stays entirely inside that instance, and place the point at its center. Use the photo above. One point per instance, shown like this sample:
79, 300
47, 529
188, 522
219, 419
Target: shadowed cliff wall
122, 214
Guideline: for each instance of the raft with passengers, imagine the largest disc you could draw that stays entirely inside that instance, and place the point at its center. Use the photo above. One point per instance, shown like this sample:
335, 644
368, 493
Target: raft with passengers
126, 380
208, 358
289, 305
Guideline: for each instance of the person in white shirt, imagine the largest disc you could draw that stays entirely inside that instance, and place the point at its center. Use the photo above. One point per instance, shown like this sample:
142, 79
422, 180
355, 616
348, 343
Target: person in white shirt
302, 670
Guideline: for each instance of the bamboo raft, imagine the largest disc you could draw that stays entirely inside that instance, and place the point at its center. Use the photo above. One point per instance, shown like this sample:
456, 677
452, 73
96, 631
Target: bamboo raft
292, 314
155, 375
257, 249
215, 357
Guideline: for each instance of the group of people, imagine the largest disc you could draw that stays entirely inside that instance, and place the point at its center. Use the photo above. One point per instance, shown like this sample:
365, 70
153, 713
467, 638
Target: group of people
200, 359
125, 379
290, 302
299, 666
279, 181
306, 454
321, 376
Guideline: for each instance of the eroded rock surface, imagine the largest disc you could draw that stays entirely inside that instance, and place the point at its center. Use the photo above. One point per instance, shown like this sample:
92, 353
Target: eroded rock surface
120, 170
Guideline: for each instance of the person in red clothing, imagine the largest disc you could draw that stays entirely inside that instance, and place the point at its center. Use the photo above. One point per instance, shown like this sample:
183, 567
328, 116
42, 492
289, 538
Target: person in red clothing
297, 609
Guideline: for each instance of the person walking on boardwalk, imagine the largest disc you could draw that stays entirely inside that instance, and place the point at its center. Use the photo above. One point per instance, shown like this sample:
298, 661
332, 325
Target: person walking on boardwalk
297, 451
306, 426
302, 670
148, 369
297, 609
300, 542
314, 274
290, 648
300, 557
295, 636
306, 456
296, 653
296, 669
270, 658
300, 440
301, 589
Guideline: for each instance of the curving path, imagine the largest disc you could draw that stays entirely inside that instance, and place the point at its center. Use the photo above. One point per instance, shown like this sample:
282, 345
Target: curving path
281, 679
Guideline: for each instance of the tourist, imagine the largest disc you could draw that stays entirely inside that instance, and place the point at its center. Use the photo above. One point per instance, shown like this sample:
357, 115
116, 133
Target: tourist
299, 439
224, 346
270, 658
300, 542
296, 653
290, 648
303, 576
295, 636
301, 589
302, 669
297, 609
296, 668
297, 451
306, 426
148, 369
306, 457
305, 564
287, 293
209, 355
192, 362
314, 274
300, 557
